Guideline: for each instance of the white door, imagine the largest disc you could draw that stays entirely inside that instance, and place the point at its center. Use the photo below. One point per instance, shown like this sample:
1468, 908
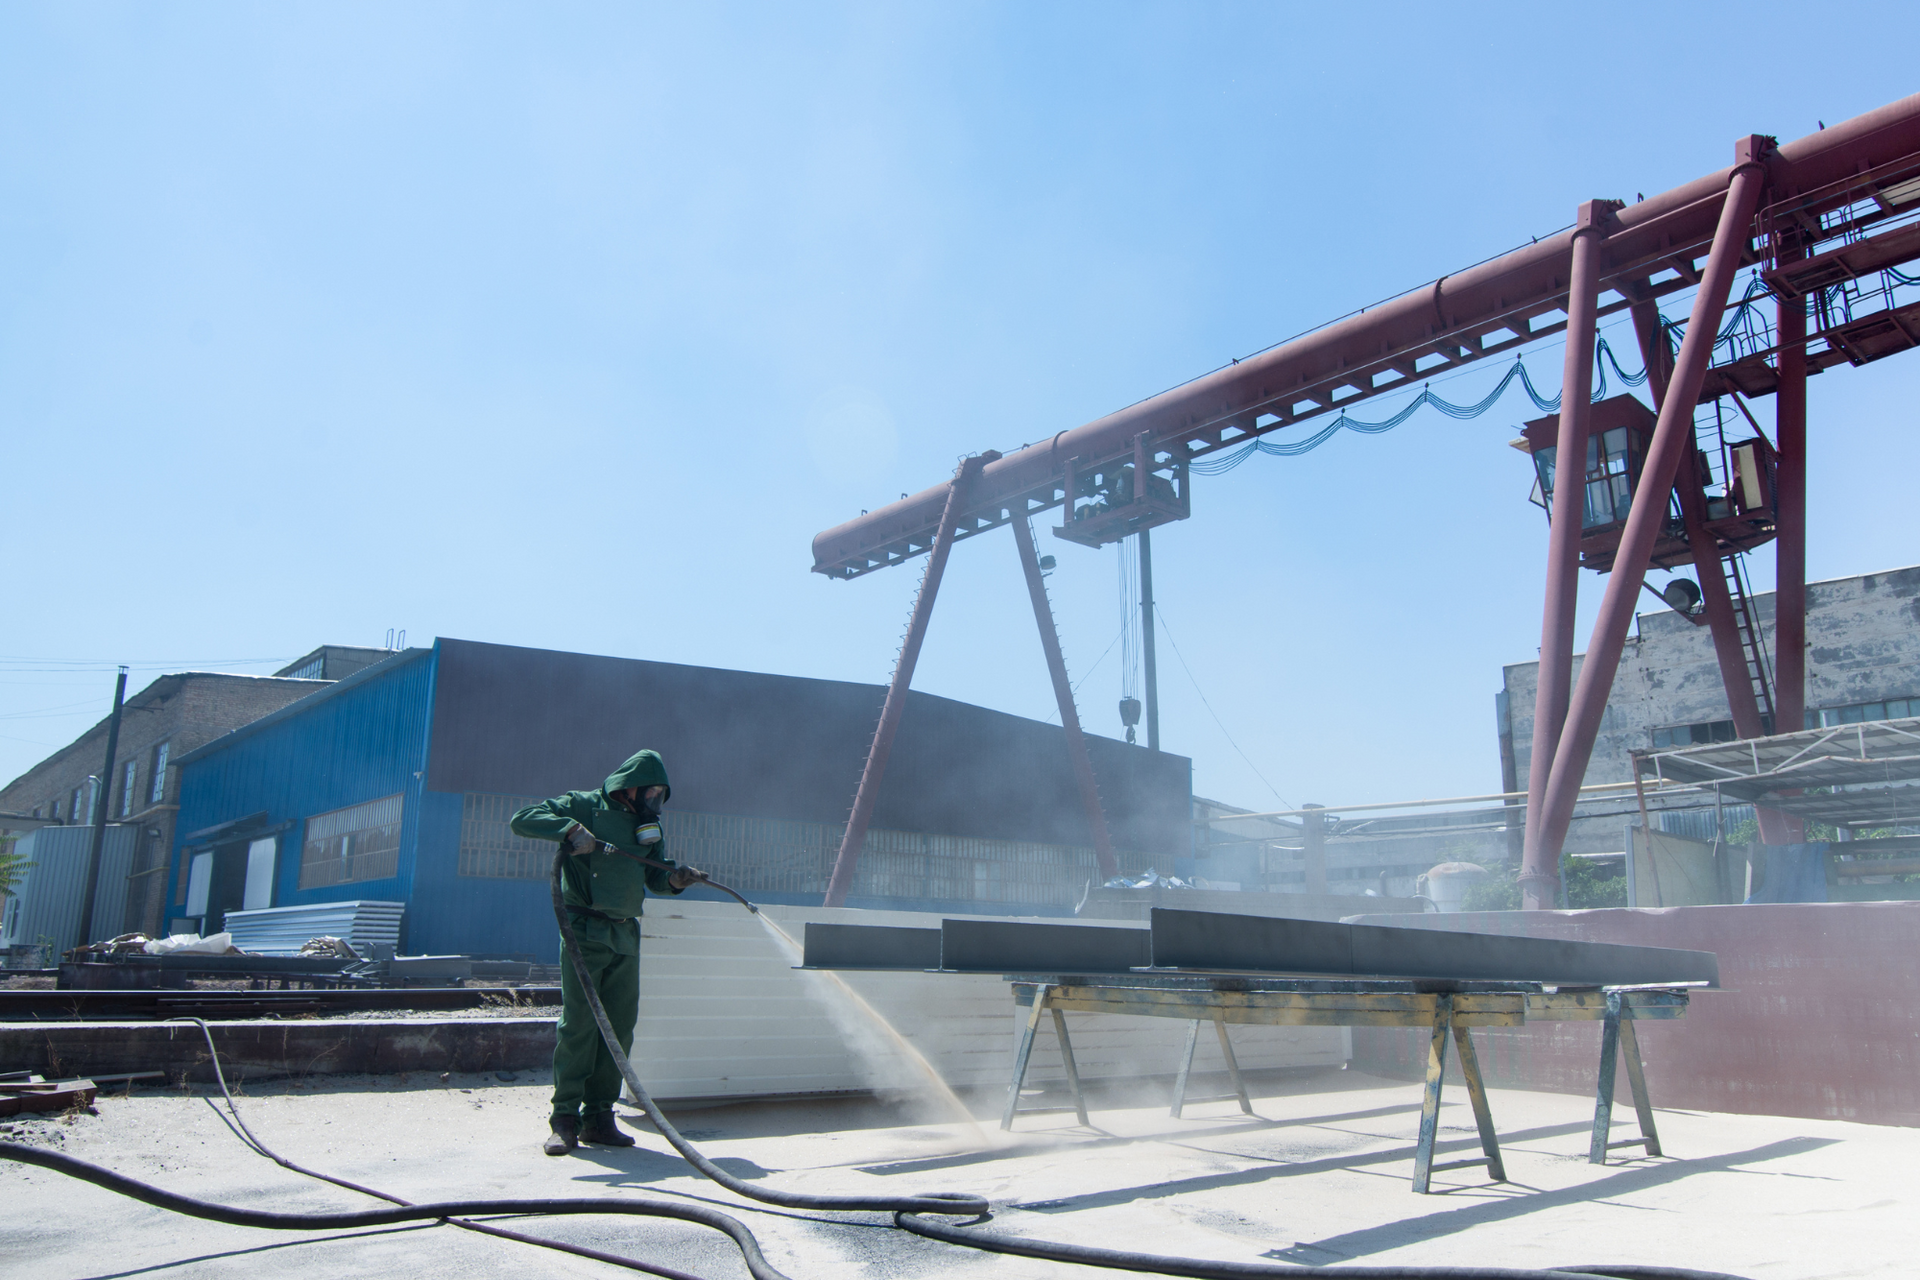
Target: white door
260, 860
199, 880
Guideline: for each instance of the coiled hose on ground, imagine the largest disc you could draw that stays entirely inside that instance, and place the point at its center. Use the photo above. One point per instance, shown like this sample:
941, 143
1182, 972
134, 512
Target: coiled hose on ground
910, 1213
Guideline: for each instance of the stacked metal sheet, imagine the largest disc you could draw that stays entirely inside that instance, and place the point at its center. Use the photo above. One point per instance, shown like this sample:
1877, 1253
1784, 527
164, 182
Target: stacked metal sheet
282, 931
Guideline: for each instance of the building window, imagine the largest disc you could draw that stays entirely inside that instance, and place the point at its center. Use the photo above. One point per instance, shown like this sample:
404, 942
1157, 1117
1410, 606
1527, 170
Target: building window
1693, 735
361, 842
1862, 712
488, 847
129, 778
157, 790
81, 808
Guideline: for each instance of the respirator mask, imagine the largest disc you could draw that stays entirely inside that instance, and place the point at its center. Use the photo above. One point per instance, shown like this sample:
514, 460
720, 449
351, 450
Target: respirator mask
648, 811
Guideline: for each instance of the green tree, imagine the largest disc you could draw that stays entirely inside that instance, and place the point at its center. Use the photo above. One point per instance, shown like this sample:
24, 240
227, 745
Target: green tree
1589, 884
13, 868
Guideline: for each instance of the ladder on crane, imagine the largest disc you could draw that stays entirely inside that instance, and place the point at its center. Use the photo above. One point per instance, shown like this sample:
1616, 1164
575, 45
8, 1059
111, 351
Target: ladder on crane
1753, 645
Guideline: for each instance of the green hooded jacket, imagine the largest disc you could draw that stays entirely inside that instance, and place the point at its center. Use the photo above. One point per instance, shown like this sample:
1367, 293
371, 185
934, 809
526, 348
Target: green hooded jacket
612, 884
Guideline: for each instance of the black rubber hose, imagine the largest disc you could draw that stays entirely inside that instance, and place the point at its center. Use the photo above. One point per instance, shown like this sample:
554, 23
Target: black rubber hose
907, 1210
1203, 1269
959, 1205
253, 1143
161, 1198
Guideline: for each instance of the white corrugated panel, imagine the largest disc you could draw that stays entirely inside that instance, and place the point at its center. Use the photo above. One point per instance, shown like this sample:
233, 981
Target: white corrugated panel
282, 931
724, 1014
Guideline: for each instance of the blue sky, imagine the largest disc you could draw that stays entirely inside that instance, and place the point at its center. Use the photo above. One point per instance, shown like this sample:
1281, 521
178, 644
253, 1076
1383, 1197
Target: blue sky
569, 325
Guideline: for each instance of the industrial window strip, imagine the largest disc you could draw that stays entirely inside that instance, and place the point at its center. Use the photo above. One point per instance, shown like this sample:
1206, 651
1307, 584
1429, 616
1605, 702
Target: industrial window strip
360, 842
1862, 712
489, 849
1685, 735
772, 855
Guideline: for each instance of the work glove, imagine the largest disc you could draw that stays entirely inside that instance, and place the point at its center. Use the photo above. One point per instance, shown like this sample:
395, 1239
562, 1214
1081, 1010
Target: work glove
680, 877
578, 840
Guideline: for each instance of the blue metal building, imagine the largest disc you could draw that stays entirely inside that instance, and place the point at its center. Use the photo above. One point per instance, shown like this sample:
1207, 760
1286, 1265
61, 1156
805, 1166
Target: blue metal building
396, 784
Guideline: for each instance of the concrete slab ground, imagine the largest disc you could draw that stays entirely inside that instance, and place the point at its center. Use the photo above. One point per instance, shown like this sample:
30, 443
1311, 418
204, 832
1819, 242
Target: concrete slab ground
1320, 1176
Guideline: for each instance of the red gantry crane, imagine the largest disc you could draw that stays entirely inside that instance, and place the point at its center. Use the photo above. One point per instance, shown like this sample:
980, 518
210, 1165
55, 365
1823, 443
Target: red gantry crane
1825, 221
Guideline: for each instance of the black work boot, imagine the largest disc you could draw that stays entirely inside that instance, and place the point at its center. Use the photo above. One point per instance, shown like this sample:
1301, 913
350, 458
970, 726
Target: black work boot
599, 1129
565, 1136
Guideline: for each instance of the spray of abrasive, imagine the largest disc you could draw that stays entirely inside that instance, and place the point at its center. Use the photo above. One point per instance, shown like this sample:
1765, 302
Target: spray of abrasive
854, 1013
839, 994
852, 1010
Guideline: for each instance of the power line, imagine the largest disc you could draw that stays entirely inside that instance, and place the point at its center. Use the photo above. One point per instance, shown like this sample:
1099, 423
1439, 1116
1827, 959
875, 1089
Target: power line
1075, 687
1209, 706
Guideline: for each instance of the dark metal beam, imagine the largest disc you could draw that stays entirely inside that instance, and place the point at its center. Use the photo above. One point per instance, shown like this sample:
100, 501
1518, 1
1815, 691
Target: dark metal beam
995, 946
870, 946
1207, 940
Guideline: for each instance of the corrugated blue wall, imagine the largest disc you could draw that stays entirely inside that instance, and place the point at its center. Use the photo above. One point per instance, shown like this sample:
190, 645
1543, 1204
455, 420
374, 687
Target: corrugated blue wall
333, 749
472, 915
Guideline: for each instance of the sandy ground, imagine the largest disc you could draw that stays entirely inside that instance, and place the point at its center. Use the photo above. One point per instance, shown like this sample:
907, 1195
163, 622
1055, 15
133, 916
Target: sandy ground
1319, 1176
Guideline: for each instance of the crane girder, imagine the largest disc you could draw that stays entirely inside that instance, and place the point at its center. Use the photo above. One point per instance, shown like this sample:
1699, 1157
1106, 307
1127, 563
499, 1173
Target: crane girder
1813, 186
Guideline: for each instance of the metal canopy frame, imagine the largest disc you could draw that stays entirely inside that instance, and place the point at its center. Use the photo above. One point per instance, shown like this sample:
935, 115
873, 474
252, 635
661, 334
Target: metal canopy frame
1858, 772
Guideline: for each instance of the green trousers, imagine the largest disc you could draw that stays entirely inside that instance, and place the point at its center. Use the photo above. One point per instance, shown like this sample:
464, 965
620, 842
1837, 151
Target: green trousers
585, 1076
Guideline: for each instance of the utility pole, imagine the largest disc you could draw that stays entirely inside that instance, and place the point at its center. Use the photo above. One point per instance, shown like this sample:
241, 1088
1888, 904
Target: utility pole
1146, 638
102, 798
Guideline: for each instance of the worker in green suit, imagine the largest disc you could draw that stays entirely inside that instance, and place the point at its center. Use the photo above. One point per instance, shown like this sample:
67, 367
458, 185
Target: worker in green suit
604, 890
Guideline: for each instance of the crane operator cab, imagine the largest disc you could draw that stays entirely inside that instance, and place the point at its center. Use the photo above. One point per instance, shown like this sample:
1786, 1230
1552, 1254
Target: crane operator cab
1110, 500
1739, 507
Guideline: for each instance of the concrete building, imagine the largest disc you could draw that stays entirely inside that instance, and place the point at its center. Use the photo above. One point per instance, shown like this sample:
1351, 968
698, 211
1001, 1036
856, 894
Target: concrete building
164, 721
1863, 663
396, 784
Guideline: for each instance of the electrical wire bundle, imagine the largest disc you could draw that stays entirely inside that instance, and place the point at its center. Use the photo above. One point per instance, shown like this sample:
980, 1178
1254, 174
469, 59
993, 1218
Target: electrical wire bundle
1602, 356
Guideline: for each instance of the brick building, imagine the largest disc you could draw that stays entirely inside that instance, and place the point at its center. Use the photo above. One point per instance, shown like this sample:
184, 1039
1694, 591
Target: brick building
161, 723
1863, 663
